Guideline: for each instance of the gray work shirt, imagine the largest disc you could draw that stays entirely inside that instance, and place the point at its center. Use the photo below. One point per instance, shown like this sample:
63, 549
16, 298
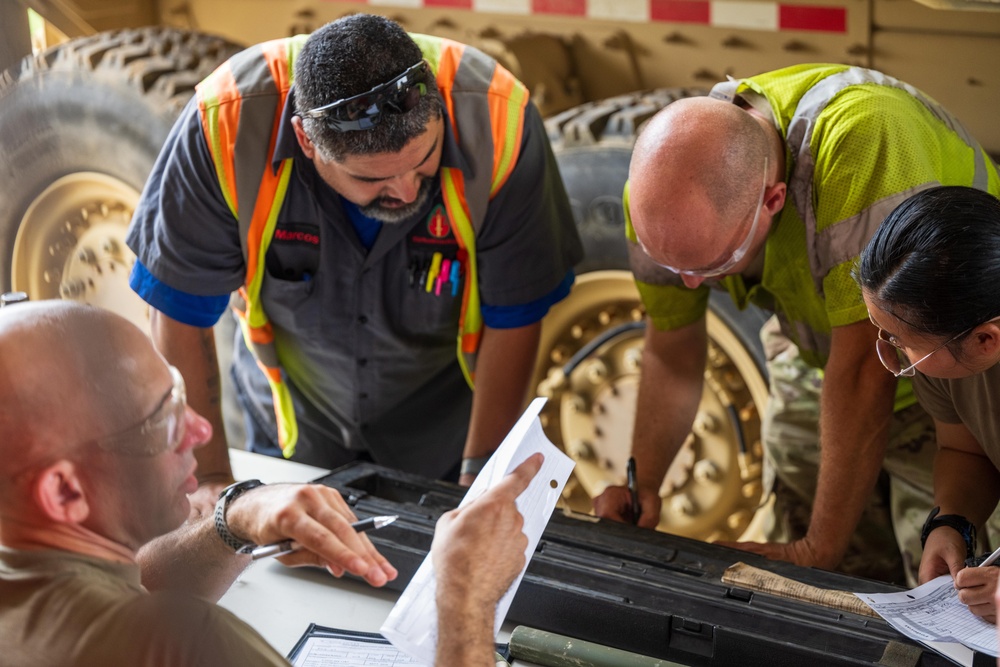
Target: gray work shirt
361, 344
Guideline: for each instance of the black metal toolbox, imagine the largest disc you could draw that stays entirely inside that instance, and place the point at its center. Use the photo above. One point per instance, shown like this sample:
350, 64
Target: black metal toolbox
651, 593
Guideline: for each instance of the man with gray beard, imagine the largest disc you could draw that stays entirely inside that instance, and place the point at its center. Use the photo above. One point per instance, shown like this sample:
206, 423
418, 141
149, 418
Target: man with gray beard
374, 201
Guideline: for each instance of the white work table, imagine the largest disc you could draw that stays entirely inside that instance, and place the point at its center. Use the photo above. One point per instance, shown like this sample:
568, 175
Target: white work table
280, 602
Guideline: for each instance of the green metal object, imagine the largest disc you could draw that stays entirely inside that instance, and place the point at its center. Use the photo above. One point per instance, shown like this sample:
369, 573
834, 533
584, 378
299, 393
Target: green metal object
552, 650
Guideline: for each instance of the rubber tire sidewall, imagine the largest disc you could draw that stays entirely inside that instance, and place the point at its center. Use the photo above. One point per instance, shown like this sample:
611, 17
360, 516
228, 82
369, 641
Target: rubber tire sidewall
57, 122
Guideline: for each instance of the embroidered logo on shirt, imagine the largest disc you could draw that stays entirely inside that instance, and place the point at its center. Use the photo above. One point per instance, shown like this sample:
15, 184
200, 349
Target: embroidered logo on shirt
437, 231
437, 223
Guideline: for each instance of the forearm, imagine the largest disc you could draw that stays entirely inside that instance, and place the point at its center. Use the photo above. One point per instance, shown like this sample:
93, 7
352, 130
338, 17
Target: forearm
503, 369
465, 633
673, 366
856, 409
955, 474
192, 351
192, 559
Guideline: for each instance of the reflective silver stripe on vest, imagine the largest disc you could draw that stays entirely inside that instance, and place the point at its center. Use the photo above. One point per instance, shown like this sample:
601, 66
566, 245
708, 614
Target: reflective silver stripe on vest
254, 80
842, 244
472, 115
846, 239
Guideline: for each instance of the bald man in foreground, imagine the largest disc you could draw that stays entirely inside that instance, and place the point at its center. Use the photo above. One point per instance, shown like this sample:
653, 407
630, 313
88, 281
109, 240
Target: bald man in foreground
96, 461
768, 190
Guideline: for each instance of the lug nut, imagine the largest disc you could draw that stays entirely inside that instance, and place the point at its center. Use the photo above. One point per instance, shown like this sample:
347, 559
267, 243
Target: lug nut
683, 504
580, 449
72, 289
706, 471
706, 423
632, 360
596, 372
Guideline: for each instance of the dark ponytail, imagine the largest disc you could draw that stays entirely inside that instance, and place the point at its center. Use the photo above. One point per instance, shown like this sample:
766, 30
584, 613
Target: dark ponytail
934, 262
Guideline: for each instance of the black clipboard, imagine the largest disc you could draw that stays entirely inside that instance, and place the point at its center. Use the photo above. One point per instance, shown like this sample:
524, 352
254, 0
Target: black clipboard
323, 632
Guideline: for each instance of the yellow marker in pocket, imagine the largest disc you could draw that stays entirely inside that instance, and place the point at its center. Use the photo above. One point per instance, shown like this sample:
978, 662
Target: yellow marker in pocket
433, 273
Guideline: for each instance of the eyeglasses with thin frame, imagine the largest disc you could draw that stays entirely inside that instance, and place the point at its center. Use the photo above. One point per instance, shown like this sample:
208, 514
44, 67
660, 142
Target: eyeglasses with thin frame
162, 430
737, 255
364, 111
892, 356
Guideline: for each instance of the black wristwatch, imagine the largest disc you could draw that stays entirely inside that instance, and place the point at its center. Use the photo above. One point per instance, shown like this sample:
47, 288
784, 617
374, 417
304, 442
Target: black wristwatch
964, 527
228, 495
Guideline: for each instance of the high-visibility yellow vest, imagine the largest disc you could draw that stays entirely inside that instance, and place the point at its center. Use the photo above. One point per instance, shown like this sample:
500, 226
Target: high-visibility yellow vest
242, 102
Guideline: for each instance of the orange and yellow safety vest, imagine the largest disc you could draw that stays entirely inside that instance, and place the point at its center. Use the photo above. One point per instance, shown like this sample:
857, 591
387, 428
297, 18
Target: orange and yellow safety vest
242, 101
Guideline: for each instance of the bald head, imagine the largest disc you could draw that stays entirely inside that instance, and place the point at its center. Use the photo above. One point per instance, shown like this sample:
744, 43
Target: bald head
695, 177
68, 374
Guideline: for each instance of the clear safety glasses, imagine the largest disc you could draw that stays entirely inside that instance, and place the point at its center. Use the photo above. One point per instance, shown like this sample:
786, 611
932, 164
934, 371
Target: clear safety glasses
160, 431
364, 111
893, 357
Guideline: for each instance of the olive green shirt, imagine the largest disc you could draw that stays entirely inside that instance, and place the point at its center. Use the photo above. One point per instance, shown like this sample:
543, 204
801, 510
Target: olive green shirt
972, 401
60, 608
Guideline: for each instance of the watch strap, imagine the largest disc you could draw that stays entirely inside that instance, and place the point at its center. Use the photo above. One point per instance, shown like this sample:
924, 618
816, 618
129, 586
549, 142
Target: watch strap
228, 495
959, 523
473, 466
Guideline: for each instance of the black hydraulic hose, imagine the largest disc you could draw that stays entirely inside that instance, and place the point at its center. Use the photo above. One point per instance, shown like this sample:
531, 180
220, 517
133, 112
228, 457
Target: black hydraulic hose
598, 341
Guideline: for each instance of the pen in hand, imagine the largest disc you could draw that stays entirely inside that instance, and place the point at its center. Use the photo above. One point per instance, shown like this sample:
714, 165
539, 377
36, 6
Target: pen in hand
633, 489
288, 546
992, 558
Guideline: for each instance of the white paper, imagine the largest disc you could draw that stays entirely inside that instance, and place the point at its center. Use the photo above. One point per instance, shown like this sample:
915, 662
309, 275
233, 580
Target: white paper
931, 614
412, 623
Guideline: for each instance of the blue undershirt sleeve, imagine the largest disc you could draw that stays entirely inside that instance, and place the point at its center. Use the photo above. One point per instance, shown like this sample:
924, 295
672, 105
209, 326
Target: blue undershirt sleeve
511, 317
195, 311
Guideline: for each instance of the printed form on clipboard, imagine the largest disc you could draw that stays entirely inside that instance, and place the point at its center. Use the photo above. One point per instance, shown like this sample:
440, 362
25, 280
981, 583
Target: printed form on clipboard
933, 615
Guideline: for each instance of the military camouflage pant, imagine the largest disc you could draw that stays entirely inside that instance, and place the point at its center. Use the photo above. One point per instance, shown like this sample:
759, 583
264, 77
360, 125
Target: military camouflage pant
886, 544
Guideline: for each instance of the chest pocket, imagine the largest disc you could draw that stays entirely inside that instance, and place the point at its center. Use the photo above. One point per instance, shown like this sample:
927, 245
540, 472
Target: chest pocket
435, 273
294, 252
290, 291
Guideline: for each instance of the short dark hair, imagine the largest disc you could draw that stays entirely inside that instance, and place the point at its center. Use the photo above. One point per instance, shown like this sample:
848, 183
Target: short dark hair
351, 56
934, 262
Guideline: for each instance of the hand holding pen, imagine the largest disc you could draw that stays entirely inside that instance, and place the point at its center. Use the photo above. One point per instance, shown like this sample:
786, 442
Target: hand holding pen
286, 547
318, 520
977, 587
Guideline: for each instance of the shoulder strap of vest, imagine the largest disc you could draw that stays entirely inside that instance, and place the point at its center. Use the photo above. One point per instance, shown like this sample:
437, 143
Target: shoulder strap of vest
234, 127
478, 92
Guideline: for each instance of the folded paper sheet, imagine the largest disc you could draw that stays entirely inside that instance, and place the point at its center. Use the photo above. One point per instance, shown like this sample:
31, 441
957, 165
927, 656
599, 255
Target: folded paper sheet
412, 623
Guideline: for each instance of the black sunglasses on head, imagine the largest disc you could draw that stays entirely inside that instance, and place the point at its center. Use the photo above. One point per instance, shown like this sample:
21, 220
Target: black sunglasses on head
364, 111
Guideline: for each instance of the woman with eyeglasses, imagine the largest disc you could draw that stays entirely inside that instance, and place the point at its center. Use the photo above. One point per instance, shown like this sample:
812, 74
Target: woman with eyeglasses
930, 278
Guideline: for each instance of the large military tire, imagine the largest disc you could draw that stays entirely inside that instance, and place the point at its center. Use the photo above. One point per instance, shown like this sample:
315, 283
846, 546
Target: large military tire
80, 127
590, 358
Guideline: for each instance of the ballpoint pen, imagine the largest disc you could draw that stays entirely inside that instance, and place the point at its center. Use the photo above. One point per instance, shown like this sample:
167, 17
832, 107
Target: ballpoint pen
991, 558
633, 489
288, 546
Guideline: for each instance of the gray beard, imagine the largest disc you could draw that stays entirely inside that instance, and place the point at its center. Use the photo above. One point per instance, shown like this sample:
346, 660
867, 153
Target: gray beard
393, 216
